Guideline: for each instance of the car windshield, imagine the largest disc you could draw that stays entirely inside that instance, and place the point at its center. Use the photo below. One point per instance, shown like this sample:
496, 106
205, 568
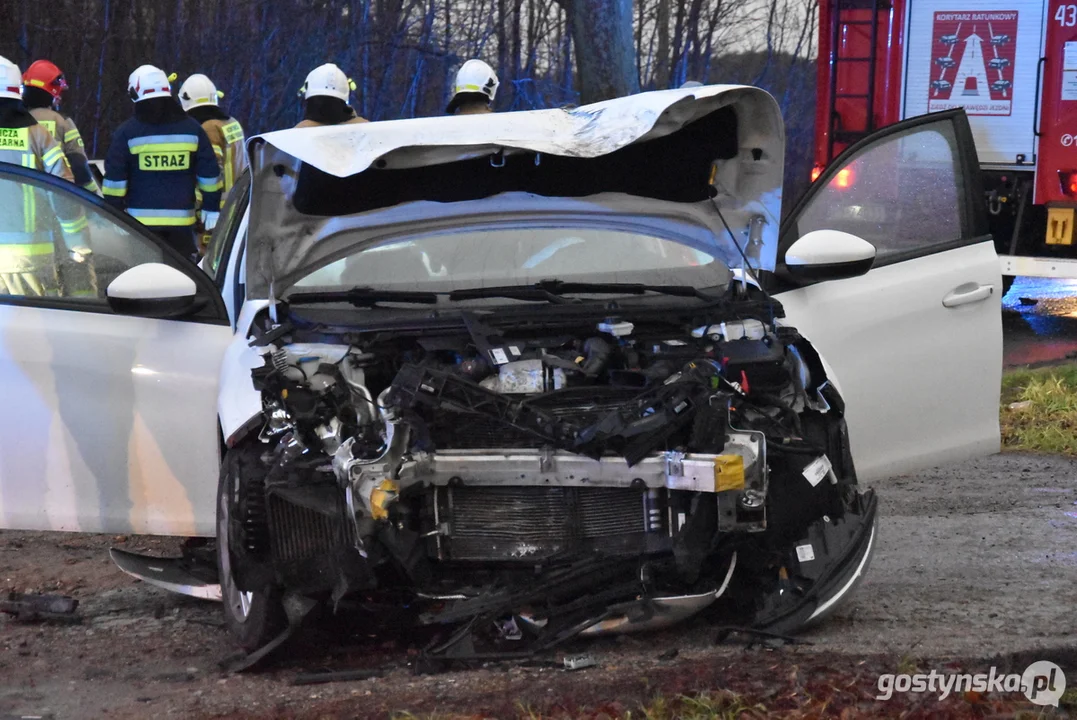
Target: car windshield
499, 257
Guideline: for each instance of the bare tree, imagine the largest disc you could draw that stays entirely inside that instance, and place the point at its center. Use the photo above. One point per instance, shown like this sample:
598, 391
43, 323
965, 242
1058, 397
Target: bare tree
402, 54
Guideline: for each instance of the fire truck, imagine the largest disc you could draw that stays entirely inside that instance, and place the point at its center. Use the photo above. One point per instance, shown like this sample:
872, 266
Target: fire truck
1012, 66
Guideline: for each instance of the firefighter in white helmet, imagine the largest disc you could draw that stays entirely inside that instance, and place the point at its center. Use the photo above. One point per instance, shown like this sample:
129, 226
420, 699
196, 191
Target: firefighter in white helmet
200, 99
474, 90
325, 98
31, 249
156, 161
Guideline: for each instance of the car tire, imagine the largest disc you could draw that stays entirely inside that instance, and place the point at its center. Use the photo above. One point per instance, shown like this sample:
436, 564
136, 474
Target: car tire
254, 617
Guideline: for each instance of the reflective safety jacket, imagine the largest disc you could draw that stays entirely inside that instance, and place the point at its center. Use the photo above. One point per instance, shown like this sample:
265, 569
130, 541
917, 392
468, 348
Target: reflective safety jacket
65, 132
226, 136
152, 171
27, 223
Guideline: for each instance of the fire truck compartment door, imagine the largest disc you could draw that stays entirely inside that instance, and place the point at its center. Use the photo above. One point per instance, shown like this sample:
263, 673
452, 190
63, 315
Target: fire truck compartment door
980, 55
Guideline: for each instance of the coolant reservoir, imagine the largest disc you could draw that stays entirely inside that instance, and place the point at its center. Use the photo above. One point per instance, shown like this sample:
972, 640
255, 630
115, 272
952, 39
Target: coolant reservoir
734, 330
616, 329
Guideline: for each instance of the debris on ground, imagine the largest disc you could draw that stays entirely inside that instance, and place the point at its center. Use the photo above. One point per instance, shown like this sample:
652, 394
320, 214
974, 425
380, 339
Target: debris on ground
34, 607
579, 662
330, 676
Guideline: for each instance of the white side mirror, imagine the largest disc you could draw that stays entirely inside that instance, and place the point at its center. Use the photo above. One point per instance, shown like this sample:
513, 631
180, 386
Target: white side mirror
828, 255
152, 290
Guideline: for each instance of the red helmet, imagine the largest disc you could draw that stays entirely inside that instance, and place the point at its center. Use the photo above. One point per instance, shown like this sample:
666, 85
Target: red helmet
45, 75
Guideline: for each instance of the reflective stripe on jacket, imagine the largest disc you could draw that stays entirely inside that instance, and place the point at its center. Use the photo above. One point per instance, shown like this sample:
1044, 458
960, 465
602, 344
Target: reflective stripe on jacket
226, 136
26, 217
152, 171
64, 130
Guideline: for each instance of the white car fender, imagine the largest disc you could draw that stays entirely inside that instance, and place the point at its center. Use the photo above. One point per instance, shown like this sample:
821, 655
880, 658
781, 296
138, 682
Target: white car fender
740, 276
238, 401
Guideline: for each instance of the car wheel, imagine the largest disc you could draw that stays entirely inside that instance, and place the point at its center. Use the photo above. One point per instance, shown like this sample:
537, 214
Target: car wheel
253, 616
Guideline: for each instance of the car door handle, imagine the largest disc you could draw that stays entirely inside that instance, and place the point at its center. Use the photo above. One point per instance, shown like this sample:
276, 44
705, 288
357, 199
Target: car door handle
968, 294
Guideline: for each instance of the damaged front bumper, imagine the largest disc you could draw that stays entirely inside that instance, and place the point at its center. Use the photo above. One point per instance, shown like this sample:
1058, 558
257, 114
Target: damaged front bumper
608, 547
824, 567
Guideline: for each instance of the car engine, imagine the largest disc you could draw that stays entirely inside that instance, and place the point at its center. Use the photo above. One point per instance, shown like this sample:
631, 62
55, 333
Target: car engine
468, 465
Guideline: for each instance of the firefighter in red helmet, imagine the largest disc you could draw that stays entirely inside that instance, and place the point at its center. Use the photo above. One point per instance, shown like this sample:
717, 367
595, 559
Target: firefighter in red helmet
43, 84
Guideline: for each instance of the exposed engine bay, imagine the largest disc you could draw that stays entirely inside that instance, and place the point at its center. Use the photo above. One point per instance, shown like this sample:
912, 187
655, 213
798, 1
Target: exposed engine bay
530, 483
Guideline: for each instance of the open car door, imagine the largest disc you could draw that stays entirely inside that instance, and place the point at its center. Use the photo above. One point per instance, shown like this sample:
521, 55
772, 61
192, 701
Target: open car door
107, 410
914, 345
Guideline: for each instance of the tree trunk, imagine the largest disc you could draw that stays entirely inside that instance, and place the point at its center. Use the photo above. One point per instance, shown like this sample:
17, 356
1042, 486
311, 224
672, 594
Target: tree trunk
661, 66
605, 51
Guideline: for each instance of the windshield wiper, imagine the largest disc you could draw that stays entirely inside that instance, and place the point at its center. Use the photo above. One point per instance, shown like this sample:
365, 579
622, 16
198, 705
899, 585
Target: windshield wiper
553, 290
363, 297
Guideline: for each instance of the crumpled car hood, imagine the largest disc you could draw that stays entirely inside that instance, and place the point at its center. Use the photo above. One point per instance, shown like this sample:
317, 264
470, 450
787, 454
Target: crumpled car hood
288, 239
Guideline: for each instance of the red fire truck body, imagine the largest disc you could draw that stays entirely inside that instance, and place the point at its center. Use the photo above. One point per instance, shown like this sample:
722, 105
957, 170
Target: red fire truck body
1011, 64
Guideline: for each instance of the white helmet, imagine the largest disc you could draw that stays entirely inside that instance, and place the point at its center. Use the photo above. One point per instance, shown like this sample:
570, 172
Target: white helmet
10, 80
148, 82
692, 84
328, 80
474, 76
198, 90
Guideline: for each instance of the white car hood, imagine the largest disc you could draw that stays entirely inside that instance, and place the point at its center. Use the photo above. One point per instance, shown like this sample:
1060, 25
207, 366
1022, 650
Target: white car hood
286, 243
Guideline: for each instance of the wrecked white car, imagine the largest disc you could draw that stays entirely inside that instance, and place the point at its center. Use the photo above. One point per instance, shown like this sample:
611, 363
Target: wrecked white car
546, 374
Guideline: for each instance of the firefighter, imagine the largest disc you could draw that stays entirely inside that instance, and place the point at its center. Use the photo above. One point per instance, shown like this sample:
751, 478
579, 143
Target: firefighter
42, 85
156, 161
474, 89
200, 98
325, 98
28, 247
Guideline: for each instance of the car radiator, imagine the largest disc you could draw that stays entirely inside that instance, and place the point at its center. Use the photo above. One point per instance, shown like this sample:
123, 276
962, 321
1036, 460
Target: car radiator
309, 547
528, 524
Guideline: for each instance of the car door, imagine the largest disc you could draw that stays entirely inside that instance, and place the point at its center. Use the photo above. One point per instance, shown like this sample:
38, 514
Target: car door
107, 421
915, 344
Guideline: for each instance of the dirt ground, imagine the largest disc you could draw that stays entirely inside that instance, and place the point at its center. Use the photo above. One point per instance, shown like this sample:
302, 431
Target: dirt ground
976, 566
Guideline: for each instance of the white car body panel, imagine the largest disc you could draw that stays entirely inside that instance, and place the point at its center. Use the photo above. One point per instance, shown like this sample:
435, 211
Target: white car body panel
589, 131
239, 401
114, 428
747, 182
908, 404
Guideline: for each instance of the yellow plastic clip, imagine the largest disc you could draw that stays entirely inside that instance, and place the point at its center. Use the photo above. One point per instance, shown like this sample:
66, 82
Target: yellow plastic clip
381, 498
302, 90
220, 95
351, 83
172, 77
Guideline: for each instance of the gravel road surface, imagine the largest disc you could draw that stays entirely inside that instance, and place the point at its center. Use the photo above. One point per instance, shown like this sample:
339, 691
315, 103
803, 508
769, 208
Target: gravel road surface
976, 565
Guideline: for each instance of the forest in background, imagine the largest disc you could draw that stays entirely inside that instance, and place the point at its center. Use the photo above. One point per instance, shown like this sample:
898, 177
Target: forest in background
403, 54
